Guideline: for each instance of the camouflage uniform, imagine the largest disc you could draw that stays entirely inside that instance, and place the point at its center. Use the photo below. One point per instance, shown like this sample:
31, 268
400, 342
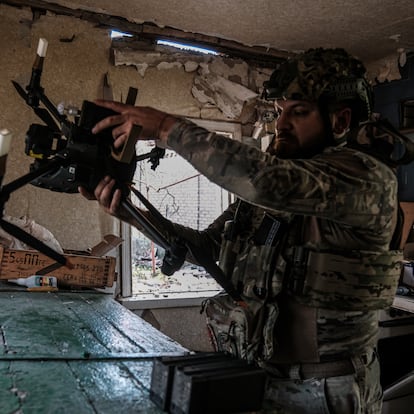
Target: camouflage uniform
317, 314
341, 200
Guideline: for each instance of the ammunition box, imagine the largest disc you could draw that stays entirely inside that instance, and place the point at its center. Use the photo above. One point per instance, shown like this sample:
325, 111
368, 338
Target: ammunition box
87, 271
163, 372
206, 383
218, 388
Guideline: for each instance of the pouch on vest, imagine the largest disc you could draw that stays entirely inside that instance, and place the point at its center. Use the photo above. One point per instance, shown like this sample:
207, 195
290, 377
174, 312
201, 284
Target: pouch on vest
364, 281
252, 264
244, 330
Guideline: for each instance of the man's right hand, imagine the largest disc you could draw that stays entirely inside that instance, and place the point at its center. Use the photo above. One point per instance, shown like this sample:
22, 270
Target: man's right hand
155, 124
108, 198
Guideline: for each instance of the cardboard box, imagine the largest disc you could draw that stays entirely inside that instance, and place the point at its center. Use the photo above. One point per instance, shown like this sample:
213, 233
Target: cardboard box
88, 271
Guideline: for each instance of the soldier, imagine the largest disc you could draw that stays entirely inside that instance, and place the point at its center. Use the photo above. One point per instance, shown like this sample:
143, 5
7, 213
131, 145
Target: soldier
309, 244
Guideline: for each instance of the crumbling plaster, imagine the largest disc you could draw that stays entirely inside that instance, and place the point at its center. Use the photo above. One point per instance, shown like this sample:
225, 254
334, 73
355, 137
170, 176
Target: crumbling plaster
230, 85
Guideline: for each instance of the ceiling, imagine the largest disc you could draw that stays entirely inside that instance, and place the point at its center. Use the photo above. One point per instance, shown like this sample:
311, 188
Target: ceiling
369, 29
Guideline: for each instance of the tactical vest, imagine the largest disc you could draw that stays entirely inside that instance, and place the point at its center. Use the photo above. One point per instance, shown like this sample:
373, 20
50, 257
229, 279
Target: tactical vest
258, 255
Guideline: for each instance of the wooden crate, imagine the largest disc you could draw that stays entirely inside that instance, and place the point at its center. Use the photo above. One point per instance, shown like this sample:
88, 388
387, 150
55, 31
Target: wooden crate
87, 271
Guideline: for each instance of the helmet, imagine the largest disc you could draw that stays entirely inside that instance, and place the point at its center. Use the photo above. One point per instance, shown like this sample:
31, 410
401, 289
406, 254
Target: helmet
322, 75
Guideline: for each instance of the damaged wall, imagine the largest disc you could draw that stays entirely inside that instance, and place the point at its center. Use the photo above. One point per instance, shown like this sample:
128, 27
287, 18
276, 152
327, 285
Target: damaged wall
75, 222
229, 85
78, 56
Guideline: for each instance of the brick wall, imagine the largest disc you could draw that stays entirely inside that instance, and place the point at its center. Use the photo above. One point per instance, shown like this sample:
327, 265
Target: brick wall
179, 192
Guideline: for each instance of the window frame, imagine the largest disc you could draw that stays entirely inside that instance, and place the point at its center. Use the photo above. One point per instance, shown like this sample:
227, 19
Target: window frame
127, 297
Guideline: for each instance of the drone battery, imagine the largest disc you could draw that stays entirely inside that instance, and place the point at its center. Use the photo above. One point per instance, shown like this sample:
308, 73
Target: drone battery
91, 114
217, 388
163, 373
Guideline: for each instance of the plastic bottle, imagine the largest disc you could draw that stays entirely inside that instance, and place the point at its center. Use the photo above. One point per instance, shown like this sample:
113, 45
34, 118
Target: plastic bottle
36, 281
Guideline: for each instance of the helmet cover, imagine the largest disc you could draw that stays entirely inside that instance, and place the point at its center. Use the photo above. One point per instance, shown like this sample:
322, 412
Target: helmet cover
320, 73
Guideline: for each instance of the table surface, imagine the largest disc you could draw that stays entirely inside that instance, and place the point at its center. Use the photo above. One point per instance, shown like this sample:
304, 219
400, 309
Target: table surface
79, 352
65, 352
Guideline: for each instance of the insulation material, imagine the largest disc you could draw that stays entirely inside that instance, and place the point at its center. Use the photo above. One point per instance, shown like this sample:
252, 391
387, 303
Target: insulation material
228, 96
235, 70
222, 83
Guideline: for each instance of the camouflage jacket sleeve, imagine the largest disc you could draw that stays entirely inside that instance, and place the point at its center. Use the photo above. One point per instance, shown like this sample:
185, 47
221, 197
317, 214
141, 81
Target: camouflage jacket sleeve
340, 184
208, 241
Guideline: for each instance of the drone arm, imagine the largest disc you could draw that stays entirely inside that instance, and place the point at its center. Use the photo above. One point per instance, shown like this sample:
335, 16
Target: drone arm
7, 189
16, 231
33, 242
149, 229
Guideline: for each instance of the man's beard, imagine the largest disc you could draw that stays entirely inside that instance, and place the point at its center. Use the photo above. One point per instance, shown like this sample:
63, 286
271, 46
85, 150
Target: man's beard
281, 146
285, 146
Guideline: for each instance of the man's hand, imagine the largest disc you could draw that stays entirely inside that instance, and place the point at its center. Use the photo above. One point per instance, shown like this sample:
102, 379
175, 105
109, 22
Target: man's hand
155, 124
108, 198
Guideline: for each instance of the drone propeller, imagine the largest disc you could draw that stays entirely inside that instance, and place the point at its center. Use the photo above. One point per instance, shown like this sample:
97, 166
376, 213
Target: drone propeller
45, 116
42, 113
20, 90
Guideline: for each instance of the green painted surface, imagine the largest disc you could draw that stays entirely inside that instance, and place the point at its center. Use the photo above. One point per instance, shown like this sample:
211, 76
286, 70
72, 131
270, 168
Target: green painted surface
75, 353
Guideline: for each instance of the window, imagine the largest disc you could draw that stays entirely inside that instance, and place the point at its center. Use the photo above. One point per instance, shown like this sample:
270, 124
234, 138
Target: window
184, 196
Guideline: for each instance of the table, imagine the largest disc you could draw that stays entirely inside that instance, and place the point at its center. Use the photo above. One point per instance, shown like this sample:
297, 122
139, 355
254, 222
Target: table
76, 352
